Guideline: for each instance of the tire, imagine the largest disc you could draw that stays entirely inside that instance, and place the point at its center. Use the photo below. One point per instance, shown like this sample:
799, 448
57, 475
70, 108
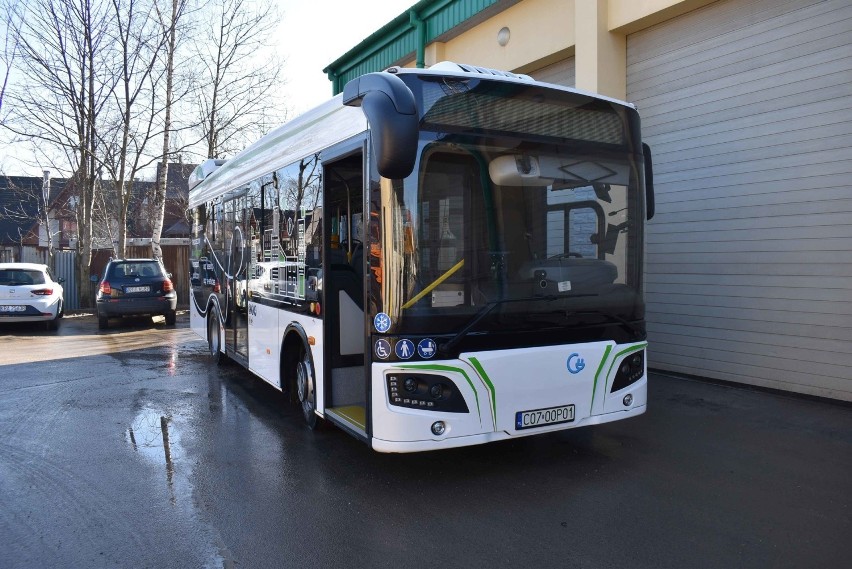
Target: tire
103, 322
214, 338
305, 388
171, 318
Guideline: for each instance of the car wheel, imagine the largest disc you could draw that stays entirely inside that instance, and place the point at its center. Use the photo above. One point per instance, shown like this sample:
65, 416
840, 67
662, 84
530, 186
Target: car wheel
171, 318
214, 338
305, 388
103, 322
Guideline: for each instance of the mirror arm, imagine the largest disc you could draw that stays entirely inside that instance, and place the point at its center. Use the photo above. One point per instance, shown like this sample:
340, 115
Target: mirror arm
649, 181
391, 111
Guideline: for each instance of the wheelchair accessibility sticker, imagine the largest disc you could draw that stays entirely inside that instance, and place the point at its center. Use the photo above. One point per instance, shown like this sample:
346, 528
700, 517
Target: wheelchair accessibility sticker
383, 349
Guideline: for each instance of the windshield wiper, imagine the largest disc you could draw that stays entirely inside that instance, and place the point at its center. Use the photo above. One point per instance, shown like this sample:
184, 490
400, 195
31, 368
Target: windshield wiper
629, 326
453, 342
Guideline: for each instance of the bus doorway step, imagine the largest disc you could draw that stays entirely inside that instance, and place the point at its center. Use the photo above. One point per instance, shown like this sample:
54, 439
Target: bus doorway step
350, 417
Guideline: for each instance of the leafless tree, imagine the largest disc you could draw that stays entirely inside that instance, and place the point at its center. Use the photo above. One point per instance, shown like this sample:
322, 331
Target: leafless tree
12, 22
139, 40
238, 92
169, 23
66, 80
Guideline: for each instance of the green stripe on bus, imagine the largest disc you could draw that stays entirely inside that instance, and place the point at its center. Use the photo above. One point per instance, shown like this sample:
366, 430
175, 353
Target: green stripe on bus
436, 367
487, 380
595, 386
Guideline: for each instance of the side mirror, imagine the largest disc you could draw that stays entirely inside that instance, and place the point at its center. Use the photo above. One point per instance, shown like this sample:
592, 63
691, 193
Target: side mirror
391, 111
649, 181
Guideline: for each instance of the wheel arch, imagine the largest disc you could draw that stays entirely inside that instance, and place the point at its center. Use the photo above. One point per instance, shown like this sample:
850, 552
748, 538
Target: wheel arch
294, 337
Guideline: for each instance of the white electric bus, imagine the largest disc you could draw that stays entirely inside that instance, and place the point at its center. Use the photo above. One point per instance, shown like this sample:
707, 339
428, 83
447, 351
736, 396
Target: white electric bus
434, 258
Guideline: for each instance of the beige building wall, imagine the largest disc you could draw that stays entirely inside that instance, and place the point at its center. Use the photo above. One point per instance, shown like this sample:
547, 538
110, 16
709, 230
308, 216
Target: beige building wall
532, 34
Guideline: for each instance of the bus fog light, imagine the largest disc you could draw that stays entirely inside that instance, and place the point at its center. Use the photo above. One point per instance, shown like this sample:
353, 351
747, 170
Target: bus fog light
438, 428
628, 400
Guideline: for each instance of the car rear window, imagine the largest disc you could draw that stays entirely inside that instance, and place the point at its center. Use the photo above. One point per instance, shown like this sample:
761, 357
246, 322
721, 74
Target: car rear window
20, 277
133, 270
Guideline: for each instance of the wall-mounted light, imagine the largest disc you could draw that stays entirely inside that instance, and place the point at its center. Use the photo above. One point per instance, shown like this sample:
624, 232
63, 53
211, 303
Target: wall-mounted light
503, 36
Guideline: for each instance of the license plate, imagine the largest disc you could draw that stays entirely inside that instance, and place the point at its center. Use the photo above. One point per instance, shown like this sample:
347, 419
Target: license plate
137, 289
13, 308
544, 417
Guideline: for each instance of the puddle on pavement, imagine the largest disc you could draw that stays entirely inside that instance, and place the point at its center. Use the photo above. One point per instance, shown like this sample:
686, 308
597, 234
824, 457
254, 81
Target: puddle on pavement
154, 436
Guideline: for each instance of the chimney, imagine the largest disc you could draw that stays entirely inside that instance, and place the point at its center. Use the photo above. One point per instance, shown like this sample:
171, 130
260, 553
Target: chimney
45, 185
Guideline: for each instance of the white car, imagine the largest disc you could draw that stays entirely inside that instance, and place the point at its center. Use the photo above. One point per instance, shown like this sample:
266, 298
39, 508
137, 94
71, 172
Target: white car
29, 292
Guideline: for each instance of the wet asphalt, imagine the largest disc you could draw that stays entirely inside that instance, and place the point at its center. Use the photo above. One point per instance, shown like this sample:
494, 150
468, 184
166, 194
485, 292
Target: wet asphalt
128, 448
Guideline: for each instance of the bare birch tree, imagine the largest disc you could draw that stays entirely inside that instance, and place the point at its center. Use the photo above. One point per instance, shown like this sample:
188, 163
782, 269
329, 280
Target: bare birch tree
169, 24
238, 92
138, 41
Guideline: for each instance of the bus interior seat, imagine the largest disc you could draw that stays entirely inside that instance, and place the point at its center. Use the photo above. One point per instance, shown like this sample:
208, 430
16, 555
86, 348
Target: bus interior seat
358, 261
337, 257
345, 314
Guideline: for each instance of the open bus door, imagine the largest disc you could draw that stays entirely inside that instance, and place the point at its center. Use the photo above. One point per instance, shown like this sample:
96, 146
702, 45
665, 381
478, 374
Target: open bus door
346, 391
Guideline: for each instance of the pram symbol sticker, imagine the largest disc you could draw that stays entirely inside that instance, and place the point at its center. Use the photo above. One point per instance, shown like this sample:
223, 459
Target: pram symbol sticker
426, 348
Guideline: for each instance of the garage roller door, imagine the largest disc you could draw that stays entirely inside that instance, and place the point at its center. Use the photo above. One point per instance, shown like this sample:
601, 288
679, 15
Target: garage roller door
560, 73
747, 105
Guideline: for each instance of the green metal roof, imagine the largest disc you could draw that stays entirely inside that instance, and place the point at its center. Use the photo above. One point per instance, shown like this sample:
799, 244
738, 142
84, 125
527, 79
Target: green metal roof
408, 34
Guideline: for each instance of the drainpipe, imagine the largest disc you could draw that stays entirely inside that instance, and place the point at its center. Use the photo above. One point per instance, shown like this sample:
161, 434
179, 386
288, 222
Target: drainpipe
420, 27
45, 193
333, 76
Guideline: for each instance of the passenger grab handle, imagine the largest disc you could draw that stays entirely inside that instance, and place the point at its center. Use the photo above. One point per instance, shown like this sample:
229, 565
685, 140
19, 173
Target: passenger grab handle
432, 286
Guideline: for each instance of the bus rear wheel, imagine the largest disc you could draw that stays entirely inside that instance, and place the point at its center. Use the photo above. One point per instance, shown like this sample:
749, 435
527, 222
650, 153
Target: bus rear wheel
305, 389
214, 338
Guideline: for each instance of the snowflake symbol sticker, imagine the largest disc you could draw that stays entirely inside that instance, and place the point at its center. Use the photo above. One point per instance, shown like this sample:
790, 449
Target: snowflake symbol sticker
382, 322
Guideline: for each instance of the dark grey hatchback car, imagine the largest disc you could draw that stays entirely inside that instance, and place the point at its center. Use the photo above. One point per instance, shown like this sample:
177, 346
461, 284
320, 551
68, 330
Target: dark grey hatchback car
135, 287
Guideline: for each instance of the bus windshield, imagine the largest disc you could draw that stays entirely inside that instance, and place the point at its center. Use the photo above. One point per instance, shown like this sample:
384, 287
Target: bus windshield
531, 225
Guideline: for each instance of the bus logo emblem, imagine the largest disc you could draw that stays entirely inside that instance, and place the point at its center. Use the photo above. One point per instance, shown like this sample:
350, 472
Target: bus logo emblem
575, 363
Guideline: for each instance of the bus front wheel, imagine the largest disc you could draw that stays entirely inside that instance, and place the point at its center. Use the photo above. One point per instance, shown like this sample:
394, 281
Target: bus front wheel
305, 389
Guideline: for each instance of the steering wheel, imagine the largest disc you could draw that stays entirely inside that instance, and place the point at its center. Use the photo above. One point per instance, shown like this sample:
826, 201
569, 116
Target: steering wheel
355, 244
569, 255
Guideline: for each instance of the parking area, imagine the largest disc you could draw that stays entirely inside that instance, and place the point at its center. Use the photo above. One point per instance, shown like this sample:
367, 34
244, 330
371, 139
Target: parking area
128, 448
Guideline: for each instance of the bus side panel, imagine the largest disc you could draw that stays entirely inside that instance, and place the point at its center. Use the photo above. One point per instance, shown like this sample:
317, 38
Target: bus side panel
264, 342
197, 321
